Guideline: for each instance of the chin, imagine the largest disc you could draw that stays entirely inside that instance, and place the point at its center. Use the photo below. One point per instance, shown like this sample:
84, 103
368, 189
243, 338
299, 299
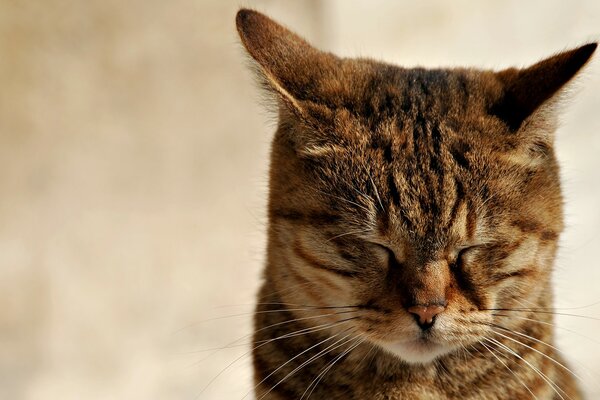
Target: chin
419, 351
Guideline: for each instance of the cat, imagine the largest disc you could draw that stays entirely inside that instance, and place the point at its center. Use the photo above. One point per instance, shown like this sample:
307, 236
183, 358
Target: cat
413, 223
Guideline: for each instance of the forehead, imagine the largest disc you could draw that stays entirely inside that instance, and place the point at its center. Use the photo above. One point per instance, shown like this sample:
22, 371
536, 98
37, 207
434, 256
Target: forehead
421, 139
378, 92
428, 178
421, 118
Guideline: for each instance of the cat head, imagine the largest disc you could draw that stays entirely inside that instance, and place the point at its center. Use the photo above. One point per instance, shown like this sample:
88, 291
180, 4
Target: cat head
420, 200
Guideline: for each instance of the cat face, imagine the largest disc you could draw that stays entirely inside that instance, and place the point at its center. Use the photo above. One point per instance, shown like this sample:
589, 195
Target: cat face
415, 203
424, 208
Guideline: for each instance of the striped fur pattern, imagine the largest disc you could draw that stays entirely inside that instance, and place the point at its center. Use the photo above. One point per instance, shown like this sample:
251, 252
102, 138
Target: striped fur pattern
413, 222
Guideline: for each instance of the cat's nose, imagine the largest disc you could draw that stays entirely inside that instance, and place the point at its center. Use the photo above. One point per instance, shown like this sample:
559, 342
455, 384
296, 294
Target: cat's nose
425, 314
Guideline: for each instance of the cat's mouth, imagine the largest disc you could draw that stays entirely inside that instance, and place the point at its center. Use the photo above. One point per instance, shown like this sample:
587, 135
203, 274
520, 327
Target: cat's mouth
420, 350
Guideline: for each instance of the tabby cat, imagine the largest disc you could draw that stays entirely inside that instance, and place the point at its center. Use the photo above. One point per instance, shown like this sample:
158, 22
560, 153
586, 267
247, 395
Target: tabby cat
413, 223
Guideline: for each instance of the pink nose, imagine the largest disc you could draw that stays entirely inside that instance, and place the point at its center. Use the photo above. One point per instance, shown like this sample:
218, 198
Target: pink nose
426, 313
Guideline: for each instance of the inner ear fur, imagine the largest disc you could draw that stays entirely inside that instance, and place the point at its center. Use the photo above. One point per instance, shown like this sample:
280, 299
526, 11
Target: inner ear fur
525, 90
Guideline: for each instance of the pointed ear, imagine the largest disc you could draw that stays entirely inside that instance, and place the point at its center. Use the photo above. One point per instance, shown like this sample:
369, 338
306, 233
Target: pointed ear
525, 90
291, 67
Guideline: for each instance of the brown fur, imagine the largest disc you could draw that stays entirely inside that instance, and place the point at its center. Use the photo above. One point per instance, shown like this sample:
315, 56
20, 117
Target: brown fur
393, 187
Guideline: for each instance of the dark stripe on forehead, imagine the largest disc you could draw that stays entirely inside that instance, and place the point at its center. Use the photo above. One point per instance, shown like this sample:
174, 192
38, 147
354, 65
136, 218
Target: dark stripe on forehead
436, 139
471, 221
437, 169
396, 201
462, 85
430, 207
458, 151
393, 189
309, 217
459, 199
383, 144
417, 133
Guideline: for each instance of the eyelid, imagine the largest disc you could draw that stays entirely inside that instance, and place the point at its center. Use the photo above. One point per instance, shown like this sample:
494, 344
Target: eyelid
469, 246
383, 247
396, 253
380, 244
460, 251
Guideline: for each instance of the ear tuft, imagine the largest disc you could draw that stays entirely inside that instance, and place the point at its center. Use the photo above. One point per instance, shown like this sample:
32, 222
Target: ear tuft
525, 90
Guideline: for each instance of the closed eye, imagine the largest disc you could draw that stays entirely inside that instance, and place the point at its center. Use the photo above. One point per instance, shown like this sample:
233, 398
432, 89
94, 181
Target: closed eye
388, 254
462, 253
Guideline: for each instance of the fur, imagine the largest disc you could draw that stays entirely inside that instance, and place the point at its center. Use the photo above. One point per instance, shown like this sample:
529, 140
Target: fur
394, 190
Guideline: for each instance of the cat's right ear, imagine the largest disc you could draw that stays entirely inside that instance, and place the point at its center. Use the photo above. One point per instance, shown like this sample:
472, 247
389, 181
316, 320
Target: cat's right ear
297, 72
527, 90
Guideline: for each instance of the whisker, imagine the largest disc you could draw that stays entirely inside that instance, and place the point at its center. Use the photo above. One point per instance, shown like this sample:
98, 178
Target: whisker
540, 312
307, 330
308, 306
271, 303
567, 308
326, 369
535, 369
465, 352
306, 318
349, 233
376, 191
292, 359
287, 289
508, 368
519, 333
254, 312
265, 342
489, 198
586, 369
346, 200
233, 344
539, 352
305, 363
441, 365
549, 324
366, 356
301, 308
364, 195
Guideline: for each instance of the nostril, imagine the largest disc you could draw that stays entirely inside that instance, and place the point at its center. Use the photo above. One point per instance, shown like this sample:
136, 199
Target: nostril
425, 315
424, 325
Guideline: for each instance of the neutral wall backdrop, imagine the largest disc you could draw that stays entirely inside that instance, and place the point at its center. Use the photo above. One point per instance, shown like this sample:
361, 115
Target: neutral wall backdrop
133, 162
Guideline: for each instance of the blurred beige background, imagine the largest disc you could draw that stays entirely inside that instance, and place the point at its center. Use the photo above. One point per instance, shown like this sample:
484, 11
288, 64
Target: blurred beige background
133, 160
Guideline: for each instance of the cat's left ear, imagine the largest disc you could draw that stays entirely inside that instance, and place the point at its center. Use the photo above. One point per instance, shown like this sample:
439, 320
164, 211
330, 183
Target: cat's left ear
524, 91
